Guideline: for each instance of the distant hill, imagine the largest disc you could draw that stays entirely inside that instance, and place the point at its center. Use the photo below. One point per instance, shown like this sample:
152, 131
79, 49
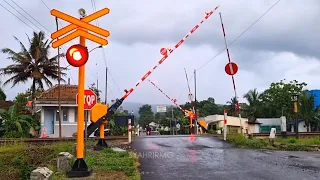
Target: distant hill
134, 106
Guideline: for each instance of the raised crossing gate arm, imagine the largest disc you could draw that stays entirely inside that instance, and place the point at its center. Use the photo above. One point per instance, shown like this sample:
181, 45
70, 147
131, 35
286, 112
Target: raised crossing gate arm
166, 53
174, 101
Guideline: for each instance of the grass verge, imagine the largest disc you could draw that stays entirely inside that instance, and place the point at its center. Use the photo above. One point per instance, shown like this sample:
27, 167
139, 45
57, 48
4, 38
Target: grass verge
18, 160
288, 144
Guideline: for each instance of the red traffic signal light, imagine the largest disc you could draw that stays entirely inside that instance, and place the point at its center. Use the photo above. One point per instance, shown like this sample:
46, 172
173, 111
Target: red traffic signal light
77, 55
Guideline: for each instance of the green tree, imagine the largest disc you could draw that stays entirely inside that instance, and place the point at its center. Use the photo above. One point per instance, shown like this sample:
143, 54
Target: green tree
306, 110
146, 115
22, 99
94, 88
254, 107
32, 63
15, 125
277, 98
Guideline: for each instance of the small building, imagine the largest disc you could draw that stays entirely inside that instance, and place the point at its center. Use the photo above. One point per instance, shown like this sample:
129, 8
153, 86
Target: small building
253, 127
48, 102
267, 123
233, 123
302, 127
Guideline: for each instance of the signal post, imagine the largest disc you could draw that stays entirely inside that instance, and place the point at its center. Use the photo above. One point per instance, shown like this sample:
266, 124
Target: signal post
77, 56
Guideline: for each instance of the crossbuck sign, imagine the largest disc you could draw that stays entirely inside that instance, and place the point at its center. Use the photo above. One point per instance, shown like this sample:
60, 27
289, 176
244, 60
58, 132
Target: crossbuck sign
90, 99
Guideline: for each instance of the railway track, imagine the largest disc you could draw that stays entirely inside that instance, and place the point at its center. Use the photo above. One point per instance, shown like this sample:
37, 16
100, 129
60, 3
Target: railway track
289, 134
53, 140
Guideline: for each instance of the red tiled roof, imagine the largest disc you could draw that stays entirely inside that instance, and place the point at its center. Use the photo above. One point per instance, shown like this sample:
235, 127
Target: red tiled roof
67, 92
6, 104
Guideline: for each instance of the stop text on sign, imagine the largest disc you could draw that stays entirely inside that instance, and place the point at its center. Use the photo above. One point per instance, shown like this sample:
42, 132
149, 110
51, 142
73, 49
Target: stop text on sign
90, 99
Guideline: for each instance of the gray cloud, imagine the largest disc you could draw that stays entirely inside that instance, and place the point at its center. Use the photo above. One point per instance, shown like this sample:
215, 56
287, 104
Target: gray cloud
281, 45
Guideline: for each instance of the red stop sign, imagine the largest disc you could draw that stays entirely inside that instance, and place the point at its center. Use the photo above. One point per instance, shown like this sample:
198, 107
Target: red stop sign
90, 99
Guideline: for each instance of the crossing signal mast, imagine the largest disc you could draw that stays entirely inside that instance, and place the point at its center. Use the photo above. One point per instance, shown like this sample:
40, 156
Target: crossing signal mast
77, 56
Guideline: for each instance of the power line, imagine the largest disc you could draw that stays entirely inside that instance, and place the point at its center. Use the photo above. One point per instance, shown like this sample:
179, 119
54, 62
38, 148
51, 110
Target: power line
104, 57
17, 17
26, 19
240, 34
21, 14
61, 25
206, 63
103, 51
29, 15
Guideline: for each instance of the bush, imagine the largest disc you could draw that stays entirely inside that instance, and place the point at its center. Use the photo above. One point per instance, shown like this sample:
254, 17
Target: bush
292, 140
240, 140
119, 130
211, 131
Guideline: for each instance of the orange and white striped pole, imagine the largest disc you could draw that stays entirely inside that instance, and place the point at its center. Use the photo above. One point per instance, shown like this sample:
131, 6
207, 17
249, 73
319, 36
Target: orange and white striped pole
225, 112
129, 130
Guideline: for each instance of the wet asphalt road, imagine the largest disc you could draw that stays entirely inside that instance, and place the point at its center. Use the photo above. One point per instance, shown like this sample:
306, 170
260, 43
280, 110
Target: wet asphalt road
178, 157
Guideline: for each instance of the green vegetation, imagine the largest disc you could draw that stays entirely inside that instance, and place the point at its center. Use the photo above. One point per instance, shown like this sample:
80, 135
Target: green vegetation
24, 158
14, 124
289, 144
273, 102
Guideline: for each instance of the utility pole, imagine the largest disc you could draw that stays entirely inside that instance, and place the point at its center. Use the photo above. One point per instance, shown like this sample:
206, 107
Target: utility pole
98, 90
295, 100
195, 103
59, 87
106, 90
171, 119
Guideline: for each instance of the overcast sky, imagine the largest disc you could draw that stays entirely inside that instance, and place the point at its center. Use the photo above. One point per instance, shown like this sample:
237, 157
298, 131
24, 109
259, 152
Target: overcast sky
282, 44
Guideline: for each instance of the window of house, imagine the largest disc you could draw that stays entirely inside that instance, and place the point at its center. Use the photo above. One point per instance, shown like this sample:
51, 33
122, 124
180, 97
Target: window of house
76, 115
57, 115
65, 114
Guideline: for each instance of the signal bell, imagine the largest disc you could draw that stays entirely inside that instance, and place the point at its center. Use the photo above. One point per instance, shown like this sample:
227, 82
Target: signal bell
77, 55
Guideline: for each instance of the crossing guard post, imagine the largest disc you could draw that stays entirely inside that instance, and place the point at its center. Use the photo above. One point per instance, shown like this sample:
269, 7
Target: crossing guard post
97, 112
74, 57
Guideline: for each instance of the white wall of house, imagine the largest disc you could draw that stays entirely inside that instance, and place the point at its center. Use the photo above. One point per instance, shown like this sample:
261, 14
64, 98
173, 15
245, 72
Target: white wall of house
68, 124
253, 128
231, 121
301, 127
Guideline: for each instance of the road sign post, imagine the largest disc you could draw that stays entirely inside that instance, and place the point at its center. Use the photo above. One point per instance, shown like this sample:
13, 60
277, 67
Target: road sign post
225, 124
82, 26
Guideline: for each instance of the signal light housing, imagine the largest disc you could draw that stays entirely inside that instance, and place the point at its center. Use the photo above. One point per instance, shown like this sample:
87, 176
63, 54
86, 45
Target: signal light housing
77, 55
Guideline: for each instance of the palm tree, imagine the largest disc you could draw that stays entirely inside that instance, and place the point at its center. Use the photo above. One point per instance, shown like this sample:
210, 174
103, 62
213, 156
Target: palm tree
14, 124
32, 64
253, 98
232, 106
